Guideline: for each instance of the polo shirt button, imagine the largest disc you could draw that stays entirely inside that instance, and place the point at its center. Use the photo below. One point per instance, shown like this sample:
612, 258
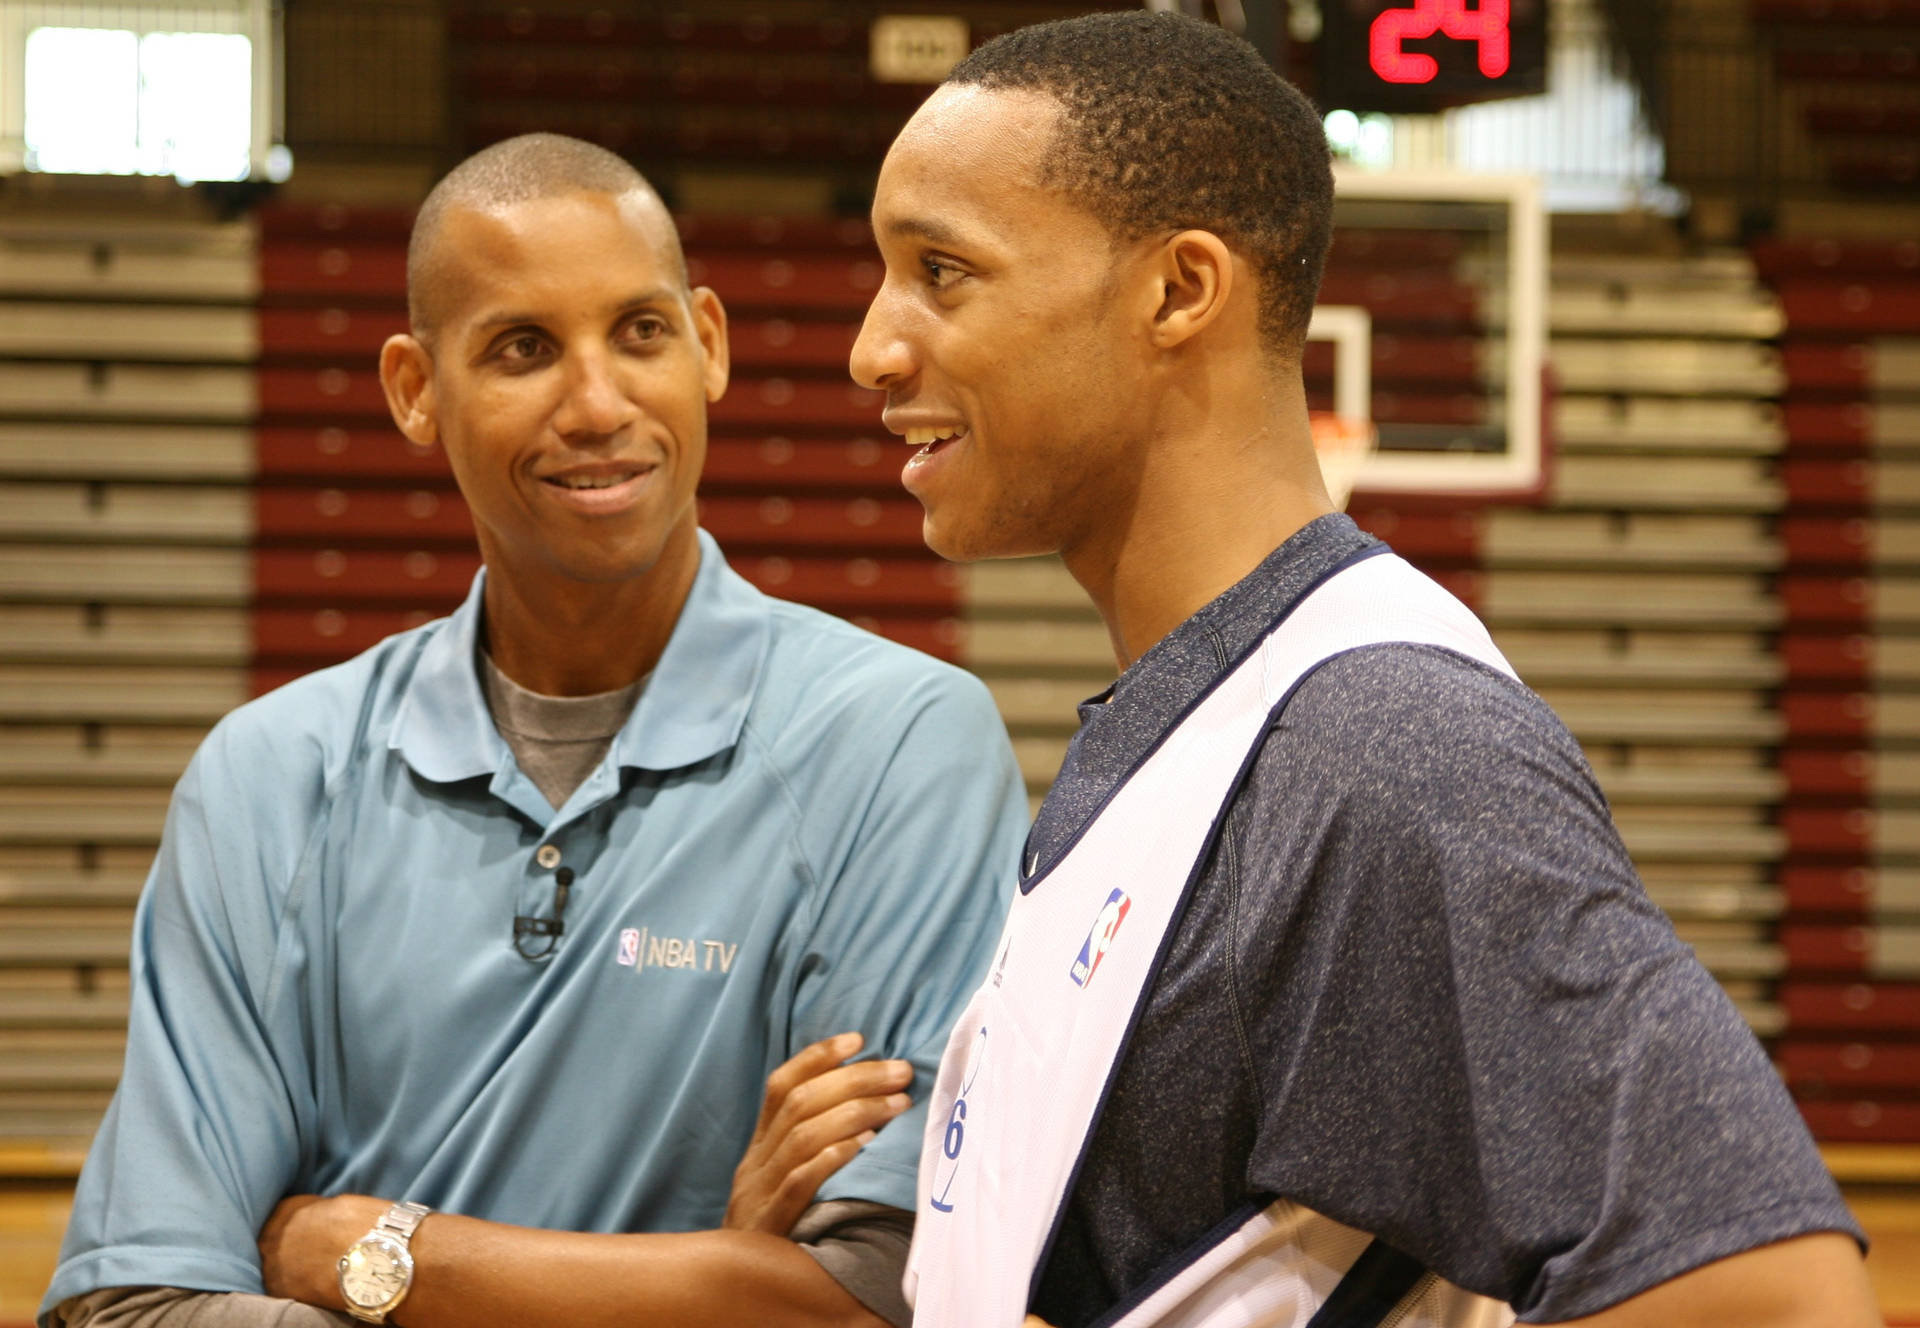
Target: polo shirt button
548, 856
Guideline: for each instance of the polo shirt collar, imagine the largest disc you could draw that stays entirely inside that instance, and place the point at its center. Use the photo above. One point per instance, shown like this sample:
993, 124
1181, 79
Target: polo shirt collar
696, 700
1120, 727
694, 705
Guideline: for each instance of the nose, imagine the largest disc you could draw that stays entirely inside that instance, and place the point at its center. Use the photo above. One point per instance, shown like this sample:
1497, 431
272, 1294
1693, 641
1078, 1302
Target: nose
881, 355
596, 404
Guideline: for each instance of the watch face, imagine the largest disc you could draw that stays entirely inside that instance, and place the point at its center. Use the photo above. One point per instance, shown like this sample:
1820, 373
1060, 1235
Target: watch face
374, 1272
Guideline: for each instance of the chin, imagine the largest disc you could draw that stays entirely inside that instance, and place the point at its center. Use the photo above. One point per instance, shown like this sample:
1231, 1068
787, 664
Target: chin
974, 545
937, 541
606, 567
955, 545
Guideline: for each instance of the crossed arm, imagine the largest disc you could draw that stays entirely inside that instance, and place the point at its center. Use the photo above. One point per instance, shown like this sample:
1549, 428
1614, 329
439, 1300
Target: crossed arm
817, 1113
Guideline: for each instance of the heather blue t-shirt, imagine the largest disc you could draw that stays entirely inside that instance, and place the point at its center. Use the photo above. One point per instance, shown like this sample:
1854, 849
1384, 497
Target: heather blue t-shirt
1419, 989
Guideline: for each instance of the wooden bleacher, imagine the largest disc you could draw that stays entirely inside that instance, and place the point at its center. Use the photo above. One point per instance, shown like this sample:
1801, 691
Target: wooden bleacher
189, 519
125, 389
1851, 534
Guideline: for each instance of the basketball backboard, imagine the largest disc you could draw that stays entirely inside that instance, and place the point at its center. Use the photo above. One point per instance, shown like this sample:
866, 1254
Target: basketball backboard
1441, 277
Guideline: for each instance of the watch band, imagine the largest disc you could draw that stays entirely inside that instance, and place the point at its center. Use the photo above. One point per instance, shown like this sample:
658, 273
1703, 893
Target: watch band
402, 1219
395, 1228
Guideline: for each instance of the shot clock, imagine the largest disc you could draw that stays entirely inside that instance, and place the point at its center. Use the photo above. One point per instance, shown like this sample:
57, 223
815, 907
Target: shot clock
1423, 56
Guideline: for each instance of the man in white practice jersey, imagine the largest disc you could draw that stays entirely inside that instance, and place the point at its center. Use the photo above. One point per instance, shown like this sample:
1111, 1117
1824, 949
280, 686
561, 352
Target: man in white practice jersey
1330, 996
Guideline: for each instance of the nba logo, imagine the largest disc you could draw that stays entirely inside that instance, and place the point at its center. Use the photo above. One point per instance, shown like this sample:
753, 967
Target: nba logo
1100, 939
630, 946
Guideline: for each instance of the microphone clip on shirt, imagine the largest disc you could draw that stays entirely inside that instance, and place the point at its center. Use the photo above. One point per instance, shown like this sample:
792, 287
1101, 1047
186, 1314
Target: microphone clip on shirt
525, 927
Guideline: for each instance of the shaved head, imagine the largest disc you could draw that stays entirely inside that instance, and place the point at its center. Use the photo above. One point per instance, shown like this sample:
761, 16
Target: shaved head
516, 170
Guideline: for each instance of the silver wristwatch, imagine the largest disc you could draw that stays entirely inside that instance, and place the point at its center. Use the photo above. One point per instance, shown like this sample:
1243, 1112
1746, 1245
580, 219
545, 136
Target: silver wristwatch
376, 1272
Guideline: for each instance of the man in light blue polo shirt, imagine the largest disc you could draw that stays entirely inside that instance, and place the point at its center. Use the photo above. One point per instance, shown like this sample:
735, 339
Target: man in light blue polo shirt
514, 915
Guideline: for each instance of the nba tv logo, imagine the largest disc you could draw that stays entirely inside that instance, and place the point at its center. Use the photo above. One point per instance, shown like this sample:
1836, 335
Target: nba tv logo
1100, 939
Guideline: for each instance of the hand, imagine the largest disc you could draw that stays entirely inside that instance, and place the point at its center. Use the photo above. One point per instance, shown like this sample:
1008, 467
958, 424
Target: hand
303, 1239
816, 1116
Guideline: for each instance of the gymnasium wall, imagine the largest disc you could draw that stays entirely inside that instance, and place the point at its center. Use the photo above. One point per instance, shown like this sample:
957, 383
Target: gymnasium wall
201, 496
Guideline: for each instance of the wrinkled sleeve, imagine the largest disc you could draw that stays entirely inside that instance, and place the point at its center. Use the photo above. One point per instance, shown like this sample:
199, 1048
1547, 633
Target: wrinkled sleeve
911, 905
1476, 1035
863, 1246
170, 1307
205, 1131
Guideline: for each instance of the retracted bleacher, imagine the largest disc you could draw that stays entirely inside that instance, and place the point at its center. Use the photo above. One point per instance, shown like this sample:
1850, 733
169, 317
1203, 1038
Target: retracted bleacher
201, 506
1851, 700
126, 391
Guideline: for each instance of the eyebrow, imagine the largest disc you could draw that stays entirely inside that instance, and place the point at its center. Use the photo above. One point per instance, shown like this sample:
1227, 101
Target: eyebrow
509, 317
923, 228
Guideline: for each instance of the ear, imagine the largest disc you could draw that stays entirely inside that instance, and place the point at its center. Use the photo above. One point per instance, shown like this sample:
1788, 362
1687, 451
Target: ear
1195, 277
710, 325
406, 375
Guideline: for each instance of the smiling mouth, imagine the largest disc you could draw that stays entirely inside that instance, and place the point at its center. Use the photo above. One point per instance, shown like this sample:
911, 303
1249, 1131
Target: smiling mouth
605, 480
930, 441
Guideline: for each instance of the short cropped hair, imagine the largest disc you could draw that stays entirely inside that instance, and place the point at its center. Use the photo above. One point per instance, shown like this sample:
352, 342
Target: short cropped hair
514, 170
1170, 123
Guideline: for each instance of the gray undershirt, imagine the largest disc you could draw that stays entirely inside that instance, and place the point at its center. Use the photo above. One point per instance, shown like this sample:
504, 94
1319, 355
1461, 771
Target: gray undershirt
556, 740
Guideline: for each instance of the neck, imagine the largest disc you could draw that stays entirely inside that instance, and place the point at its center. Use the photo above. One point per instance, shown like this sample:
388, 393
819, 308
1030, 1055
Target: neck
1212, 498
561, 637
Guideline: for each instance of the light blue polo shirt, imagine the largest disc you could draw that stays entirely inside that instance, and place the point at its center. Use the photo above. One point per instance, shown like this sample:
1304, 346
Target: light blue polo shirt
802, 829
